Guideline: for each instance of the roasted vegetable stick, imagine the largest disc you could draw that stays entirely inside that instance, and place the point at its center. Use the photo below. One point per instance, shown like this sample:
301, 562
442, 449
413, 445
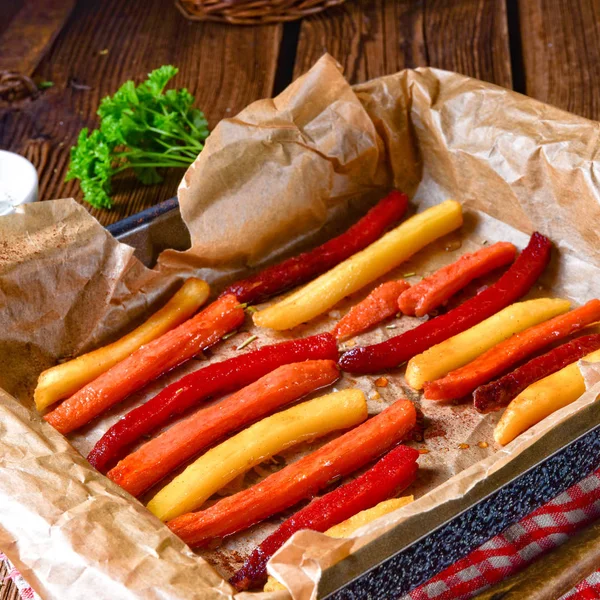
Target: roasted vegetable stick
349, 526
392, 473
159, 456
65, 379
364, 267
147, 363
499, 393
541, 399
500, 358
433, 291
300, 480
240, 453
379, 305
468, 345
300, 269
215, 380
516, 282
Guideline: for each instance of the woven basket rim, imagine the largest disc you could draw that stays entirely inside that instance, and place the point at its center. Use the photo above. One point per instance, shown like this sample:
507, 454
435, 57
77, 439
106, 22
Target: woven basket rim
252, 12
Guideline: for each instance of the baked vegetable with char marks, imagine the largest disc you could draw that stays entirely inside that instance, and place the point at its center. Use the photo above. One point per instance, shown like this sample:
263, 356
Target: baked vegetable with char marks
391, 474
212, 381
504, 355
300, 480
514, 284
302, 268
147, 363
433, 291
259, 442
499, 393
362, 268
155, 459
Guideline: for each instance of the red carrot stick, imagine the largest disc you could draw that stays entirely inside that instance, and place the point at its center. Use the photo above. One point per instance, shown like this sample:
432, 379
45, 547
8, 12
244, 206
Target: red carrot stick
148, 363
501, 357
391, 474
158, 457
214, 380
379, 305
302, 479
434, 290
304, 267
515, 283
499, 393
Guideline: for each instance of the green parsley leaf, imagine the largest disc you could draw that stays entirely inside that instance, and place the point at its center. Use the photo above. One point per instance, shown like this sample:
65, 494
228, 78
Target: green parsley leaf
144, 128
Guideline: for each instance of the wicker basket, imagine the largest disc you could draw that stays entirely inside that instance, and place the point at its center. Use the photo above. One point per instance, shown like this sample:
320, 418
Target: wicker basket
252, 12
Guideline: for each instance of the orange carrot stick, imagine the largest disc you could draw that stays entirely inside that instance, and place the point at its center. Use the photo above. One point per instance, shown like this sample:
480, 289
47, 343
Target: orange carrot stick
501, 357
434, 290
158, 457
148, 363
63, 380
379, 305
300, 480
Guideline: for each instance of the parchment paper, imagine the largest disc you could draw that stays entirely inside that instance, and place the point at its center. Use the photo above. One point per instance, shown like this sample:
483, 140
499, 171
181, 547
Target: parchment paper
281, 175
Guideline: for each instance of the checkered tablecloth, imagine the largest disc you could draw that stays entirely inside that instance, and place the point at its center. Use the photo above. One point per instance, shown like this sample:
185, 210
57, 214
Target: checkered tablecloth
503, 555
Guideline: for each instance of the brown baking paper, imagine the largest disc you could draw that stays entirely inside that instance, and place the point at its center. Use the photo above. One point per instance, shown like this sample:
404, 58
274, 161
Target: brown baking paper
280, 176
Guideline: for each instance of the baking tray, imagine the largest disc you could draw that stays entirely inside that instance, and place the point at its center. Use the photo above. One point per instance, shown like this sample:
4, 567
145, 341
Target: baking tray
153, 230
423, 545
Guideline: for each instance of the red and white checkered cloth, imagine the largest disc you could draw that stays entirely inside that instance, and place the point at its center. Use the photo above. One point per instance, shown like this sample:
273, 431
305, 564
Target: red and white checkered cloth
547, 527
542, 530
25, 590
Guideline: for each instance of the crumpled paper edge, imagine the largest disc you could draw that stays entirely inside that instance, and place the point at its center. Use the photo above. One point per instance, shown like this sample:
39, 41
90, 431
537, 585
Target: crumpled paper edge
300, 562
464, 80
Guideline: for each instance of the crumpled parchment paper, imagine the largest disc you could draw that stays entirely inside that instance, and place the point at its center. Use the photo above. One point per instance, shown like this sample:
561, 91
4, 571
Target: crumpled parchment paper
283, 174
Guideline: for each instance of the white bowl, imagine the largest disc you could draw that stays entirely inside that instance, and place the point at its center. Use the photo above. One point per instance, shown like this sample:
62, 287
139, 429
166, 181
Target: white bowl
18, 181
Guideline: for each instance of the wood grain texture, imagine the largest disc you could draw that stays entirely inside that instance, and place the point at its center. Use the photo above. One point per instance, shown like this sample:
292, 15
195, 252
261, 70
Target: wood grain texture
32, 30
8, 10
376, 38
561, 53
106, 42
8, 589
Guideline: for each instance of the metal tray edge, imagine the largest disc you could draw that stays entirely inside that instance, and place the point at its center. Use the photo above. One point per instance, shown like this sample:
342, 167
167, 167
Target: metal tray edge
418, 549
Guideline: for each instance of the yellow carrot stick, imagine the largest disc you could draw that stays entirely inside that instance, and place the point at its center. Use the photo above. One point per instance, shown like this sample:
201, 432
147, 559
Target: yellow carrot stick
541, 399
364, 267
349, 526
223, 463
65, 379
461, 349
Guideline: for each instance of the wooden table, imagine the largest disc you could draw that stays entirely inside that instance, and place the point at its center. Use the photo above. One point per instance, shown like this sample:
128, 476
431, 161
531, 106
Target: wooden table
549, 49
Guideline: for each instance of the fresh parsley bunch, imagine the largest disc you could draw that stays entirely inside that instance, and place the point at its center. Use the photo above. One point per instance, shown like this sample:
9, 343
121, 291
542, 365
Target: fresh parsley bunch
141, 128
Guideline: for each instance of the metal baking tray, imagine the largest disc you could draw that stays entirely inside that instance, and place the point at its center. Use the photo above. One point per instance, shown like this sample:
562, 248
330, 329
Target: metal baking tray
423, 545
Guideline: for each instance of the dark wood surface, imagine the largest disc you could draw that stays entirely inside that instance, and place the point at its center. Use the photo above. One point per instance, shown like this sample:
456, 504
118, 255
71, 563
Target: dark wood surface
549, 49
8, 590
33, 29
374, 38
106, 42
561, 53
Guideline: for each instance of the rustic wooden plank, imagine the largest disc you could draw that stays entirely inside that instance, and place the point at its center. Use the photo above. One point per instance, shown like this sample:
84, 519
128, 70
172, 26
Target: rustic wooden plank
470, 37
367, 38
8, 10
109, 41
8, 589
380, 37
32, 30
561, 53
